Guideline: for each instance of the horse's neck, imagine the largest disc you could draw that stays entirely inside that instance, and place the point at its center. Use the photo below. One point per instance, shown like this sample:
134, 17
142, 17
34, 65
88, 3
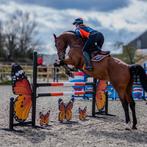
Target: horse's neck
75, 49
74, 42
75, 54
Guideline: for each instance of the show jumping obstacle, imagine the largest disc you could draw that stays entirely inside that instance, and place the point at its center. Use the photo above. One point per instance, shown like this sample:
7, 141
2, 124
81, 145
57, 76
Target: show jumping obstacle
36, 95
36, 85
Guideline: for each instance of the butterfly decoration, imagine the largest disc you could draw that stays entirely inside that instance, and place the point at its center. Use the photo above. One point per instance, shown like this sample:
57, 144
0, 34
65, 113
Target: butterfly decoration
22, 88
44, 118
101, 95
65, 110
82, 113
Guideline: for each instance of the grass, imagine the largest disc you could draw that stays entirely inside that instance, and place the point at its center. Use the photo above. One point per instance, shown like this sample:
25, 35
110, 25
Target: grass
8, 82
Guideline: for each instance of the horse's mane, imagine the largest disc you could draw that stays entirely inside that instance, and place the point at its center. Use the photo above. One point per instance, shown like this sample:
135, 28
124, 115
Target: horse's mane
71, 31
73, 35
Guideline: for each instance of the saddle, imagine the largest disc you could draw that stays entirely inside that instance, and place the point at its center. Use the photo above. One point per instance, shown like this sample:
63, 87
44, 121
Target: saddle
99, 55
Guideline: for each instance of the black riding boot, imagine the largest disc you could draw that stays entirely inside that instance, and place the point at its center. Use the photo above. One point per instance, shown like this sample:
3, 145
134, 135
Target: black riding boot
87, 61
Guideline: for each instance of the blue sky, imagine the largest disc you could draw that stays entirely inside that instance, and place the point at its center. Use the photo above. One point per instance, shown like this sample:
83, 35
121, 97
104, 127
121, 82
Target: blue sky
118, 20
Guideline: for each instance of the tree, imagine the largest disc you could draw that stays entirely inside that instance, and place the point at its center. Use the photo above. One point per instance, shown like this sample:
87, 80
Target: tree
2, 51
128, 52
20, 35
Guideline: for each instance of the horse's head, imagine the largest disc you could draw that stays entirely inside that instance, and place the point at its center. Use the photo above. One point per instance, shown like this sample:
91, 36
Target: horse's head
61, 46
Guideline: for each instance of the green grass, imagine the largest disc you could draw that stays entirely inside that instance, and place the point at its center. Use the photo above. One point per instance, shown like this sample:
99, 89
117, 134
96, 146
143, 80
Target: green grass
6, 82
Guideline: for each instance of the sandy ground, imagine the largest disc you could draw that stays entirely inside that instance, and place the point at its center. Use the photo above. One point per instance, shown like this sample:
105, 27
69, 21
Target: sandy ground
101, 131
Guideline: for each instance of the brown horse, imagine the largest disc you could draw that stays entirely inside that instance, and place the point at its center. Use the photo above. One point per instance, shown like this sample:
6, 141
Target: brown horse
110, 69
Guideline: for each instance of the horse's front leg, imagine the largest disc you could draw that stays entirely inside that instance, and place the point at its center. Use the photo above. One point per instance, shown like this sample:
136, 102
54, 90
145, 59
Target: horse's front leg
65, 64
68, 61
67, 70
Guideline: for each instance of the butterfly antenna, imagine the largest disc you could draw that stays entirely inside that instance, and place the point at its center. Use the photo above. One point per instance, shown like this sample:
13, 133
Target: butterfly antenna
72, 99
60, 100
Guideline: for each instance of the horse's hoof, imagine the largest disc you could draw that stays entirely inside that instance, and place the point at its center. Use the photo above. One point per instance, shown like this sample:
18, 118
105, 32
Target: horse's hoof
128, 126
128, 129
134, 127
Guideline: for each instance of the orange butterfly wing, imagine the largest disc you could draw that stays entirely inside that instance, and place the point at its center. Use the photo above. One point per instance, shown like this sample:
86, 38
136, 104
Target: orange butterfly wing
21, 87
102, 85
61, 115
41, 119
100, 95
22, 107
82, 113
44, 119
68, 113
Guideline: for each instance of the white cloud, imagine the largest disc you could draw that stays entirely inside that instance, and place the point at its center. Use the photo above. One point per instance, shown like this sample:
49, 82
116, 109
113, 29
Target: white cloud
131, 19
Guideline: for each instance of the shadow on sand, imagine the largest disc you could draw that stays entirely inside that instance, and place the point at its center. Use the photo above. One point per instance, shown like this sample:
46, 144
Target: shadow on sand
133, 136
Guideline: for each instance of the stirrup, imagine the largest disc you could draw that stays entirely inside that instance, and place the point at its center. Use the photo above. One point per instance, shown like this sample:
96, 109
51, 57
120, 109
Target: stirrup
89, 68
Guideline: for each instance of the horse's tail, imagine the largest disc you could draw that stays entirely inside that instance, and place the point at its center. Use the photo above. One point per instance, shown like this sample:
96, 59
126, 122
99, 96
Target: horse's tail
138, 70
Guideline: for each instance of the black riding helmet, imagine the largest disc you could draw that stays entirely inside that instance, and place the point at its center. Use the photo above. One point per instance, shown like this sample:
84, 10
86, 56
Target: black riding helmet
78, 21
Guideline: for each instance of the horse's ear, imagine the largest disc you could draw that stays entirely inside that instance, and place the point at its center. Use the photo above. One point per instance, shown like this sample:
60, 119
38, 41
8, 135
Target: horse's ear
55, 37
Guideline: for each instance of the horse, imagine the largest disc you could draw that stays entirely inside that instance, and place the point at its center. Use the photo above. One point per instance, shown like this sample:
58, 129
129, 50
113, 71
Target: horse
109, 69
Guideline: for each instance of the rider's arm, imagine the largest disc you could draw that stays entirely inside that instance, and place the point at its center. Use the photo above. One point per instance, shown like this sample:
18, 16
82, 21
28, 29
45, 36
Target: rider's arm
82, 32
77, 31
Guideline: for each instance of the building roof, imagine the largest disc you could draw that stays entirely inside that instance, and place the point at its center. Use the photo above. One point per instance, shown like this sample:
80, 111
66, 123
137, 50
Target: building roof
139, 41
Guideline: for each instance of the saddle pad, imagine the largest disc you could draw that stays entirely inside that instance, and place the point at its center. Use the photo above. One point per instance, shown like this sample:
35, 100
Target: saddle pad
98, 57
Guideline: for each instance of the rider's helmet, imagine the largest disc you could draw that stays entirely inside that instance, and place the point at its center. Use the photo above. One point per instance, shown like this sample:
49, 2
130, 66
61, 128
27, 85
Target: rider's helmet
78, 21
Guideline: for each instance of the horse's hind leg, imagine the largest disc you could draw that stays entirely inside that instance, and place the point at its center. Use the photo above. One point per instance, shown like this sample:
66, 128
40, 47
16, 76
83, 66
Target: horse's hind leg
124, 102
132, 105
126, 110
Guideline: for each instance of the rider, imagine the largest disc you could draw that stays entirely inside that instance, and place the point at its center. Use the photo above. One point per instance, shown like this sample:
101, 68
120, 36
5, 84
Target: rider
92, 38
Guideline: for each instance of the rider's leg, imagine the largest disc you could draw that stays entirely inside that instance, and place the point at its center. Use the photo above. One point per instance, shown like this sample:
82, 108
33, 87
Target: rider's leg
86, 53
99, 39
87, 60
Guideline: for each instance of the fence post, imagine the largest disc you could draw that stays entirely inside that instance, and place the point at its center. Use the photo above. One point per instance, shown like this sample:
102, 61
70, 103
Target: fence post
34, 88
11, 114
93, 98
142, 88
106, 105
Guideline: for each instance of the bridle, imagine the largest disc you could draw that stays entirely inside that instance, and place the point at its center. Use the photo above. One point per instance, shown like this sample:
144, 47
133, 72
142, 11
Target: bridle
61, 54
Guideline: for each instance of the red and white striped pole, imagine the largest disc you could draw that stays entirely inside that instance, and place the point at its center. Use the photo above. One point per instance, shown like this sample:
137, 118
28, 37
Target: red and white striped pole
64, 93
